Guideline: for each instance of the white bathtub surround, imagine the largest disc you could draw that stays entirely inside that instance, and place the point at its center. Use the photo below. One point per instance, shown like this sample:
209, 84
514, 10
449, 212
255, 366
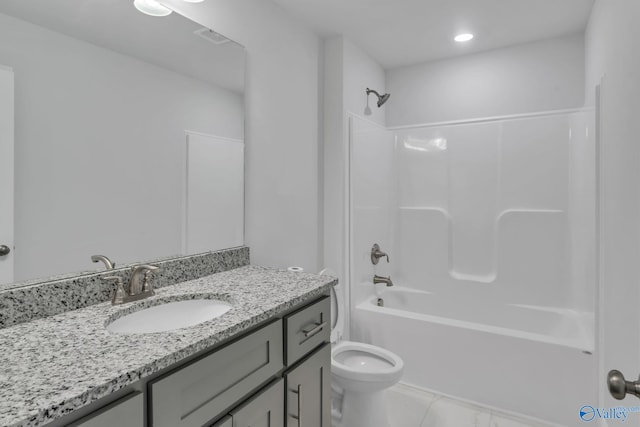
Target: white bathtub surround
413, 407
554, 326
490, 230
529, 373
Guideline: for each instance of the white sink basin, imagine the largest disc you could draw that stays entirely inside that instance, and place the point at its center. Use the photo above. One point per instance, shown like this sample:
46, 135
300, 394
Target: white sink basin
169, 316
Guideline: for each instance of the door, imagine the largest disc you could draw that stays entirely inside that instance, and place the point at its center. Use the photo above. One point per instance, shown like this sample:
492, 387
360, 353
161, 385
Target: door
6, 175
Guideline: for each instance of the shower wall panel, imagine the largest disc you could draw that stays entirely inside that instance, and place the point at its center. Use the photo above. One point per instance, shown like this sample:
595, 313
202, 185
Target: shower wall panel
373, 200
498, 210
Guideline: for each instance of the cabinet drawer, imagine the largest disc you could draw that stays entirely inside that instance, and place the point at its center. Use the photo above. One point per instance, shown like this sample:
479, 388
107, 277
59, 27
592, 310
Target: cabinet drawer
307, 328
201, 391
126, 412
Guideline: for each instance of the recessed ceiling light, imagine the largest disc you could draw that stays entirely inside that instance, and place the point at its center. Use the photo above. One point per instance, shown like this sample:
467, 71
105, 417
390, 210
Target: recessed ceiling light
463, 37
194, 1
151, 7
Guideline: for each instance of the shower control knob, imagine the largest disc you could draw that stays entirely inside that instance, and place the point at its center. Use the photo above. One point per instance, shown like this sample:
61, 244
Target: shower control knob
619, 387
4, 250
376, 254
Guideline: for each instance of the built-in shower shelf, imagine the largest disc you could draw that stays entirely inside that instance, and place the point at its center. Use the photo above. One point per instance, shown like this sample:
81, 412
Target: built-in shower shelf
445, 212
532, 233
528, 211
478, 278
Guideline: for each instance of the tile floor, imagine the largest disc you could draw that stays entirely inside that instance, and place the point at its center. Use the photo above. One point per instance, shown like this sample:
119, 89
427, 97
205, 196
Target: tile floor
412, 407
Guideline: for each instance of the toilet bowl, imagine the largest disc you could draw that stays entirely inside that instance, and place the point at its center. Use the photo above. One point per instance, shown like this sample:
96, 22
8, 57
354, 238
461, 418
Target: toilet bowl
359, 375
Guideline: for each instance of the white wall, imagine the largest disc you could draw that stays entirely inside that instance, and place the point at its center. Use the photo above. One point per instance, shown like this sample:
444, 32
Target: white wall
539, 76
335, 156
100, 150
611, 50
361, 72
282, 127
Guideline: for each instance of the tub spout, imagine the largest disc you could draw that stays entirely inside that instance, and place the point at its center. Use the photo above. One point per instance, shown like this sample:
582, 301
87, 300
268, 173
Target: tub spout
381, 279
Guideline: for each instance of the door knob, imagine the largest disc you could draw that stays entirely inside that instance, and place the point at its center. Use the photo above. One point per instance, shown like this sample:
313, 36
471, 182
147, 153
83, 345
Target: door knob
4, 250
619, 387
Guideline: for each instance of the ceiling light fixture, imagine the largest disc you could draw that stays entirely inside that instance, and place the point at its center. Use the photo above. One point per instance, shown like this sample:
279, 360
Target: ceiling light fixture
463, 37
194, 1
151, 7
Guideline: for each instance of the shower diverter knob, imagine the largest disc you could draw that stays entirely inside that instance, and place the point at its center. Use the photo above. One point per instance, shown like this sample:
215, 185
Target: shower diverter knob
619, 387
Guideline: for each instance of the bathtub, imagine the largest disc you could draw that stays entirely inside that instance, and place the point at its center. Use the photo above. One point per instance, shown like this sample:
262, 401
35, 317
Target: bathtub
533, 361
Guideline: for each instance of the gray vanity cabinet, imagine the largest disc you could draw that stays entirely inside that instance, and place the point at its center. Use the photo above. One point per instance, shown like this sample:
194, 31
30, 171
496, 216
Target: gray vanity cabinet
244, 383
308, 385
126, 412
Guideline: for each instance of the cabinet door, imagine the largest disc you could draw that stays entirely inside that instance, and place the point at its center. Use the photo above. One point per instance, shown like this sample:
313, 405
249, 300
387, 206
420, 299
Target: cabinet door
126, 412
265, 409
309, 391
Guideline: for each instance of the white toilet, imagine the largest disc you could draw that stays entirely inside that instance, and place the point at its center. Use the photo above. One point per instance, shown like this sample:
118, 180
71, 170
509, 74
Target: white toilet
359, 375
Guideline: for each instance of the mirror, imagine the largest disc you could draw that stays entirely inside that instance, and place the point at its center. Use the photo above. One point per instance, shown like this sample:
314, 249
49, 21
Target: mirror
108, 103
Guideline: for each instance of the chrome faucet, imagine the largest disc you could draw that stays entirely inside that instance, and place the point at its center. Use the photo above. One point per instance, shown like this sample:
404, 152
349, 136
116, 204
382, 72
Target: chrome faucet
107, 262
140, 285
141, 279
380, 279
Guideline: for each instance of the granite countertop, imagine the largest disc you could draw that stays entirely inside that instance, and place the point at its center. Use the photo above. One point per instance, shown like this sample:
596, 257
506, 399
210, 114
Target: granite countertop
54, 365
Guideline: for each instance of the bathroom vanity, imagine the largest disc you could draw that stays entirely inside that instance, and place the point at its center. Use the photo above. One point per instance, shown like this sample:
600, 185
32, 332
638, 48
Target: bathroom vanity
264, 362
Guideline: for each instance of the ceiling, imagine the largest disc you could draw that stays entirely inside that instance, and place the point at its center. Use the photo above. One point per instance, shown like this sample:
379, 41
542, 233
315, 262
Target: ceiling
168, 42
403, 32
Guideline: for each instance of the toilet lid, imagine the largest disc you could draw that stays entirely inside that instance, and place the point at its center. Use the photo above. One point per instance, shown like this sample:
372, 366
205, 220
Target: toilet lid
337, 321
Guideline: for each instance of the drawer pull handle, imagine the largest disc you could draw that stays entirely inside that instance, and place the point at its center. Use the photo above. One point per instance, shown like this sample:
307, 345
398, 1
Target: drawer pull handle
299, 416
317, 327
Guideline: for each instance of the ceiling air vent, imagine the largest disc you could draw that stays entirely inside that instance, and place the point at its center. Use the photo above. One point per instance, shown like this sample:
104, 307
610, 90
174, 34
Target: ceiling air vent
211, 36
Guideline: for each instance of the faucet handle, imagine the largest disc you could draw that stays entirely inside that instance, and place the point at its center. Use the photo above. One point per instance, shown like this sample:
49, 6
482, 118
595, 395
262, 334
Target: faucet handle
119, 295
146, 281
136, 286
376, 254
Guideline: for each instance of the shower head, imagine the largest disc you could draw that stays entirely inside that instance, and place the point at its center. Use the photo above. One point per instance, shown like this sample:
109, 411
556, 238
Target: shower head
381, 98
